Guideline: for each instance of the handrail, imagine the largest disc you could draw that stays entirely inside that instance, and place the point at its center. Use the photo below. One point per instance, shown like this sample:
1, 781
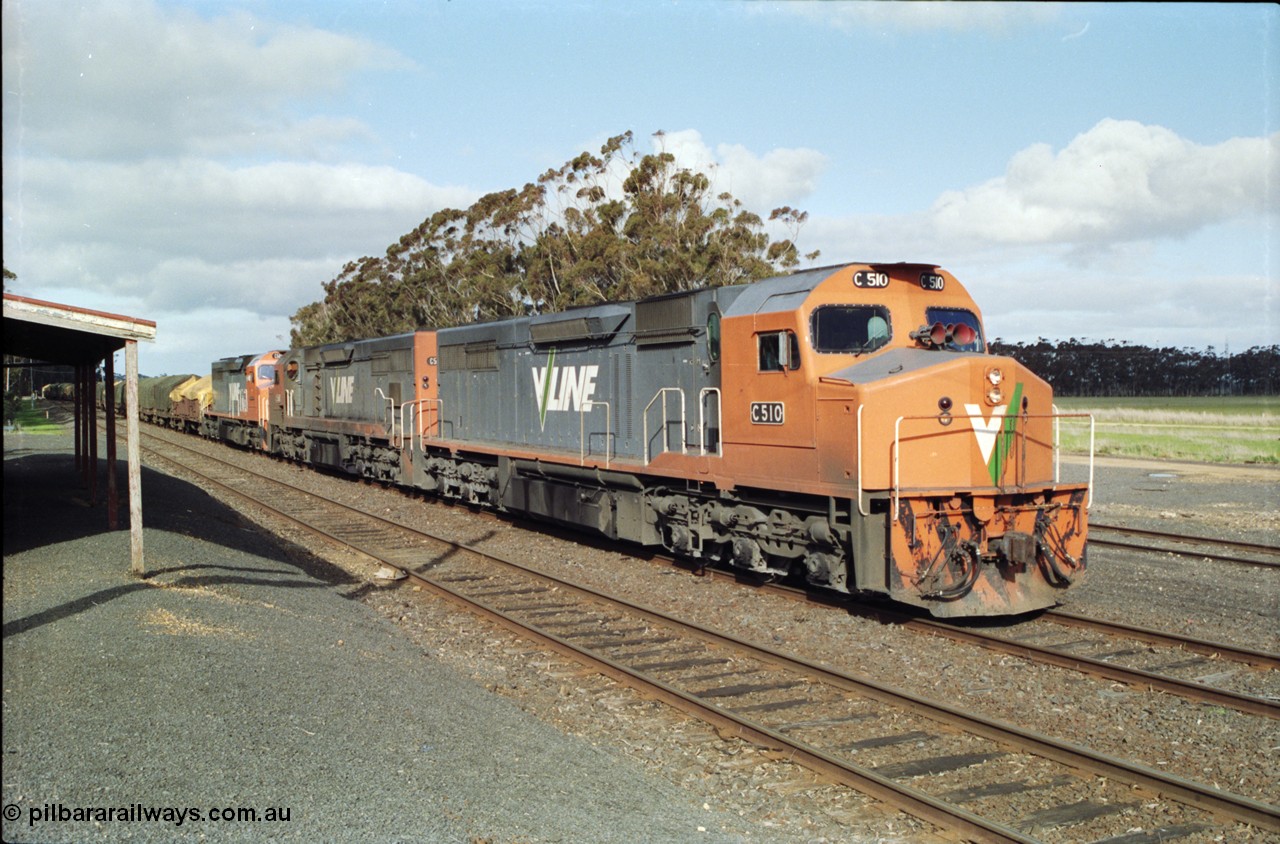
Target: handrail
1057, 454
582, 432
1057, 448
398, 440
392, 416
420, 430
861, 510
897, 442
666, 426
702, 428
1057, 451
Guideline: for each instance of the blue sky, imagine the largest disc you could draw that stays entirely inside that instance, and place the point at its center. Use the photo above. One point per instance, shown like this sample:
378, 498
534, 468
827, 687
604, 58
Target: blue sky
1097, 171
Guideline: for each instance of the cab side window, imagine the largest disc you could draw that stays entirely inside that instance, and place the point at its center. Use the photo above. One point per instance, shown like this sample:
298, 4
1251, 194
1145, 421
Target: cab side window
779, 350
847, 329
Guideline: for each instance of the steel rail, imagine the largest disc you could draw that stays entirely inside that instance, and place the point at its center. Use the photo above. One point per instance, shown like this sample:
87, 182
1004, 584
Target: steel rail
1147, 549
1246, 547
1187, 538
911, 800
906, 798
1262, 659
1250, 704
1238, 807
1190, 689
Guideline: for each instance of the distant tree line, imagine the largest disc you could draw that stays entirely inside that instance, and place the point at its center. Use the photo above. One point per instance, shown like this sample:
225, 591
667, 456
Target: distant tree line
610, 227
1084, 368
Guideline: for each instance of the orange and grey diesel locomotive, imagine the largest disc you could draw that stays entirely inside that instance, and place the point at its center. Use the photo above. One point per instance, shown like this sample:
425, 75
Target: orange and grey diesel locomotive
237, 397
229, 404
844, 424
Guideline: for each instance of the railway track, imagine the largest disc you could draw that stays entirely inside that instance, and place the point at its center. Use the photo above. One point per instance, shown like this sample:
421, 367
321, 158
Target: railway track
973, 777
1245, 553
1193, 668
1202, 659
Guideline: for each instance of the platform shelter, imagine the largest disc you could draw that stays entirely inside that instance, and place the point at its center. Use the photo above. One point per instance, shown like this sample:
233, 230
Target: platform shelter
82, 338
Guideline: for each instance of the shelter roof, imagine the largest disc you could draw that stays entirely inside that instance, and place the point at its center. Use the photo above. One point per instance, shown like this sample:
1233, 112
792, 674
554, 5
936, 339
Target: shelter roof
66, 334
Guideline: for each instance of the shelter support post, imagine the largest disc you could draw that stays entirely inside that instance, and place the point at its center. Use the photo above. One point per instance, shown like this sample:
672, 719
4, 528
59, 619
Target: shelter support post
79, 421
91, 426
135, 470
109, 411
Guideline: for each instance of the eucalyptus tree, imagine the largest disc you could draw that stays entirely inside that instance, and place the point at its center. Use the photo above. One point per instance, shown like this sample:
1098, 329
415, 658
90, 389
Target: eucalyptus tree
609, 227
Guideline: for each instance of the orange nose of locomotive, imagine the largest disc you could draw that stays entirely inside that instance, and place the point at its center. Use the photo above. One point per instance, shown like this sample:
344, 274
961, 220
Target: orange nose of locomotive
965, 451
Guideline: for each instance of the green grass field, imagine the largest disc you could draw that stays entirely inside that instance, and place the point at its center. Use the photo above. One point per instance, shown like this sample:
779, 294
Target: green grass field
34, 422
1213, 429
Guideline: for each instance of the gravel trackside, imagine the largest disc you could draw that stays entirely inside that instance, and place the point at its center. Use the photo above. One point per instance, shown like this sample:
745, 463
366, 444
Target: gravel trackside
733, 789
246, 673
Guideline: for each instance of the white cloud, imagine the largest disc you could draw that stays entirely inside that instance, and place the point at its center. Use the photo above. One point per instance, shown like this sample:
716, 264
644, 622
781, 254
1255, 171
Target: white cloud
901, 15
780, 176
189, 340
114, 79
1120, 181
134, 225
127, 130
1129, 232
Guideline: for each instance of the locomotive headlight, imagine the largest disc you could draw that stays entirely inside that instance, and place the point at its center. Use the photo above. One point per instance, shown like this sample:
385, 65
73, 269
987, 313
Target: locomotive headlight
995, 376
994, 396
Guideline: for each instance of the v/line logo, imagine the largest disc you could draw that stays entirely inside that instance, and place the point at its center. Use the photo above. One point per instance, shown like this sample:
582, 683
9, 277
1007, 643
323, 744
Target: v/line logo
995, 435
237, 398
563, 387
342, 389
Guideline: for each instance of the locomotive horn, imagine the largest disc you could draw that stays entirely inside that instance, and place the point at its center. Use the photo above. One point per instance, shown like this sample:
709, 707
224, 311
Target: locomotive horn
962, 333
935, 335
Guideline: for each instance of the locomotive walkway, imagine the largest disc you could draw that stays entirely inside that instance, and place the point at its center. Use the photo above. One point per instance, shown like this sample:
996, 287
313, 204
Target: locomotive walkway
241, 677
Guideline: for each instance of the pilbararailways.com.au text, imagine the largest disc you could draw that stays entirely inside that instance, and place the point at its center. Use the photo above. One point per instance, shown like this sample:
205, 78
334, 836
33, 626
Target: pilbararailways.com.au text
141, 813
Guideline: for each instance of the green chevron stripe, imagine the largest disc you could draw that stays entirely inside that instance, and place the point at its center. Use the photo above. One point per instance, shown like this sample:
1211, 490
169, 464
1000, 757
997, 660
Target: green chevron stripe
546, 389
1004, 440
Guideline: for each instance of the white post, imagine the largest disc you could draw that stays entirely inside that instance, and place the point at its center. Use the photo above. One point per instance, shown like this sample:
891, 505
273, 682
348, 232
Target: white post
135, 469
109, 410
